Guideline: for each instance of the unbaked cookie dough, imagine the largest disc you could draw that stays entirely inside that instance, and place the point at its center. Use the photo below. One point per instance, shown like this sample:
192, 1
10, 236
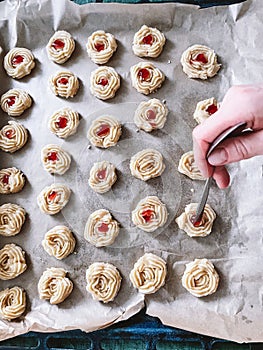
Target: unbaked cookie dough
12, 218
184, 221
19, 62
200, 61
200, 278
150, 115
149, 214
104, 82
102, 176
15, 101
64, 84
12, 180
12, 261
148, 274
147, 164
13, 136
54, 286
52, 199
60, 46
55, 160
64, 122
103, 281
146, 78
205, 108
12, 303
101, 46
59, 242
101, 229
104, 132
148, 42
188, 167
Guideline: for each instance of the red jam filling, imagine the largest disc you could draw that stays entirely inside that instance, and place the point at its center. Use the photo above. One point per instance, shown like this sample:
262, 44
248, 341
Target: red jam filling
62, 122
144, 74
103, 227
103, 81
63, 81
201, 58
104, 130
147, 215
17, 60
101, 174
52, 156
52, 195
11, 100
148, 39
9, 133
150, 114
211, 109
99, 47
5, 179
58, 44
197, 223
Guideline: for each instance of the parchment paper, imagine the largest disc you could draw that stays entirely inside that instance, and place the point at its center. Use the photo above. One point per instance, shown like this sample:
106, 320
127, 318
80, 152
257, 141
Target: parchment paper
234, 311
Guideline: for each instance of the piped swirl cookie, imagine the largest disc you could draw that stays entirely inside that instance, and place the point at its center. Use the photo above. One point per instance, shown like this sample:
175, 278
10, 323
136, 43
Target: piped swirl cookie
55, 160
149, 214
204, 109
12, 303
150, 115
104, 132
12, 218
104, 82
54, 285
103, 281
202, 229
64, 123
52, 199
60, 46
15, 101
148, 274
101, 229
64, 84
200, 278
148, 42
146, 78
102, 176
188, 167
200, 62
59, 242
12, 261
12, 180
13, 136
19, 62
101, 46
147, 164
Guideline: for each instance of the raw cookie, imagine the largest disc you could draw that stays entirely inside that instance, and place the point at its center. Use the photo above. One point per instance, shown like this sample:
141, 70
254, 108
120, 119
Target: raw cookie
200, 61
12, 303
102, 176
200, 278
12, 261
19, 62
103, 281
12, 180
188, 167
64, 84
150, 214
60, 47
13, 136
104, 82
52, 199
204, 228
148, 42
15, 101
104, 132
205, 108
64, 122
12, 218
147, 164
59, 242
55, 160
148, 274
54, 286
150, 115
101, 46
146, 78
101, 229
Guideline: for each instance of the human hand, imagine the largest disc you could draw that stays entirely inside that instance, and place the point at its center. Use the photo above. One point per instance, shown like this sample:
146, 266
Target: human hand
242, 103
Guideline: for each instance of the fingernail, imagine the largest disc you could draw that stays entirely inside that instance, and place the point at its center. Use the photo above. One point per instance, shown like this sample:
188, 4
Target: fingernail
218, 157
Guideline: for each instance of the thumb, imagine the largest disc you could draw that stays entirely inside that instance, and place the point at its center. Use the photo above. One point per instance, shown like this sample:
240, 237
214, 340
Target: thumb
237, 148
